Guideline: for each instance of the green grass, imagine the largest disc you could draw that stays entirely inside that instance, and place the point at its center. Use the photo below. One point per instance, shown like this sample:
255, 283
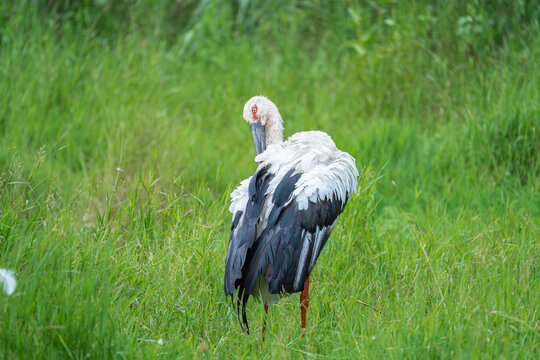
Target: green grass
121, 138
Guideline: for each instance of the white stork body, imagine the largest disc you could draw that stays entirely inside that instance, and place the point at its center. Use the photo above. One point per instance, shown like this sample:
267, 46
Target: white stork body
284, 214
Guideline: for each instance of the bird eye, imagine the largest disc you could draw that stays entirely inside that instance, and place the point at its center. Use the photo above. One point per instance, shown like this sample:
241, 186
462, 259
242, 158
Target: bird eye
254, 109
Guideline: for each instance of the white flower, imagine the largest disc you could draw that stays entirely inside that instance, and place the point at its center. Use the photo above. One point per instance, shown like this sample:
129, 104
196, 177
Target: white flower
7, 278
159, 342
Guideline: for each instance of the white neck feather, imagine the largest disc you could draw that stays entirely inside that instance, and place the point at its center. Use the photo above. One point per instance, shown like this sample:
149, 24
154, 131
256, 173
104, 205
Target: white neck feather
274, 127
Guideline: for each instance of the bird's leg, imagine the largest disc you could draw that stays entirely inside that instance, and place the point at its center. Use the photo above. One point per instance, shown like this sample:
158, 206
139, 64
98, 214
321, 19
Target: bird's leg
264, 319
304, 303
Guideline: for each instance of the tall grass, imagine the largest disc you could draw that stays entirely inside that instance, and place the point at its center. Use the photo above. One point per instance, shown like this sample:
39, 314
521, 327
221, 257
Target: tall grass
122, 137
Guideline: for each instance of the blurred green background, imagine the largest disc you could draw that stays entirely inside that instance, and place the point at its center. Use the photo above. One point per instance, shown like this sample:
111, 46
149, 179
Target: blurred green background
121, 137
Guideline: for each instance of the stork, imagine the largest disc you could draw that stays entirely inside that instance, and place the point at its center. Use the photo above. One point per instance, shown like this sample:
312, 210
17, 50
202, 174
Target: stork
283, 214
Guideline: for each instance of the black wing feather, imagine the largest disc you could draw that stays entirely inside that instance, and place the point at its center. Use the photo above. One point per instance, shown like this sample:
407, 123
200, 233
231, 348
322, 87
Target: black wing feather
243, 230
276, 253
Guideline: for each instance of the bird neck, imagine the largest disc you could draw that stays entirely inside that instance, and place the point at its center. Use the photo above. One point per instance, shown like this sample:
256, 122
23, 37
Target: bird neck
274, 128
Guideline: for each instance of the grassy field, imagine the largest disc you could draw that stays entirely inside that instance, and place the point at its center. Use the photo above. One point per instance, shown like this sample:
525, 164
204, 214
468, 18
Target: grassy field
121, 138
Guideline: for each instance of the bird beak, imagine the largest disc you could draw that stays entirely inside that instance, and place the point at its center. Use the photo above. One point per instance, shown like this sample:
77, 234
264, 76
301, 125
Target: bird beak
259, 137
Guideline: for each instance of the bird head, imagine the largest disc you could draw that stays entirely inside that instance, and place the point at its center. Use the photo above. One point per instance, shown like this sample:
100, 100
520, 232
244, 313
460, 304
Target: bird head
265, 121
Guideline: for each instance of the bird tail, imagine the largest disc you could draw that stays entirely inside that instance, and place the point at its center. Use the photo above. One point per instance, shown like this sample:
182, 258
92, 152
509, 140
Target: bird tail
241, 301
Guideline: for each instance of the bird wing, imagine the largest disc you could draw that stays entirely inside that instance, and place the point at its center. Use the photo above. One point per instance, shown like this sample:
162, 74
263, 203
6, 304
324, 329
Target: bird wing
309, 184
247, 203
296, 231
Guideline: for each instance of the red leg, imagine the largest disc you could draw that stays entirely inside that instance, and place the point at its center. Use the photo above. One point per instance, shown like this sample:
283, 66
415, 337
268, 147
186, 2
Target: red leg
264, 319
304, 304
